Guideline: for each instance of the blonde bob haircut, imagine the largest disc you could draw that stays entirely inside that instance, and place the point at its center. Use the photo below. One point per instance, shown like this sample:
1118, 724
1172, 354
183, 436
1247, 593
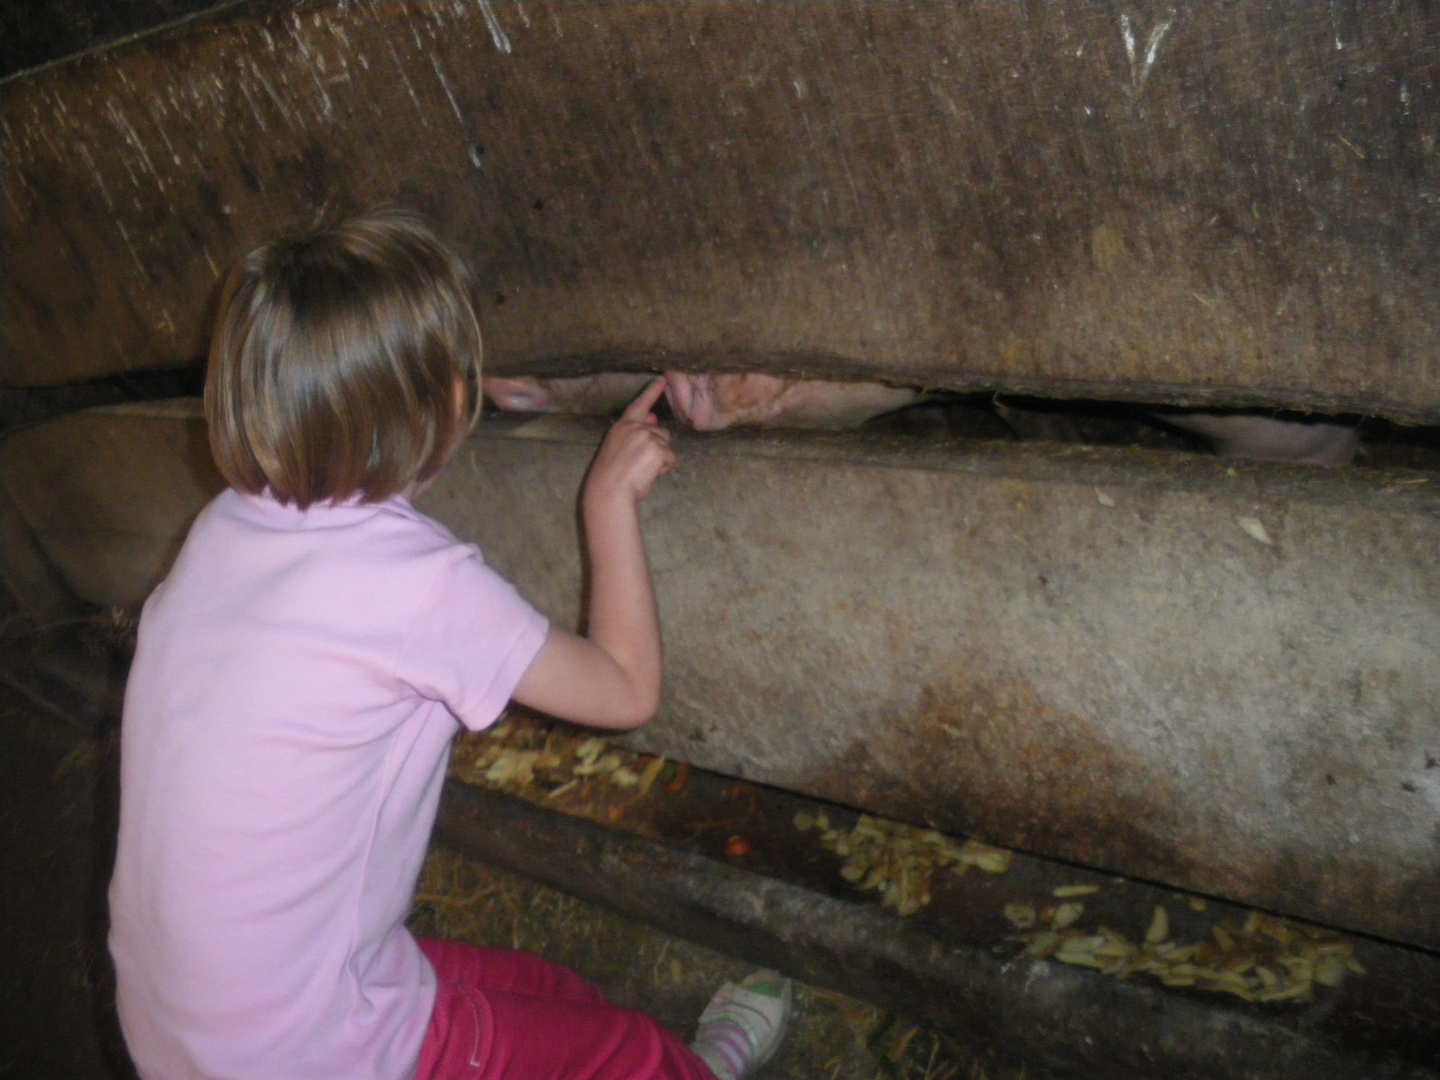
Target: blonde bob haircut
345, 362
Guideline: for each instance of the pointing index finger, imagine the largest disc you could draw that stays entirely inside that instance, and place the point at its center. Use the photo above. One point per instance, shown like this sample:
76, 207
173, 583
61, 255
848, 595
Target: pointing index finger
640, 408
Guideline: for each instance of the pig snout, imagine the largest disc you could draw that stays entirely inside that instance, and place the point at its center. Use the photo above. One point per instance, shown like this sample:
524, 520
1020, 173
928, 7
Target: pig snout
1265, 438
518, 395
714, 402
692, 400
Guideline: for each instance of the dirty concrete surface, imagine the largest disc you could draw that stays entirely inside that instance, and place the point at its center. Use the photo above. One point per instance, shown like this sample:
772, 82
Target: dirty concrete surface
78, 481
1208, 673
1215, 675
1225, 204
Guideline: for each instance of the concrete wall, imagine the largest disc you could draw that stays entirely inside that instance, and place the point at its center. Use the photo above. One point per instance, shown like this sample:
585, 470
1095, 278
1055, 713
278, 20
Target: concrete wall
1205, 203
106, 495
1222, 677
1219, 676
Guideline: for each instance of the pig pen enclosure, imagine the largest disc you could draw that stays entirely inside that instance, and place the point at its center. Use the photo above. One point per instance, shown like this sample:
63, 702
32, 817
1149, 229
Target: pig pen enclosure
1018, 712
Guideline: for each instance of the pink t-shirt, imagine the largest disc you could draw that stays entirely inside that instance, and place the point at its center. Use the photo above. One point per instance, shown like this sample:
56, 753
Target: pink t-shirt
294, 693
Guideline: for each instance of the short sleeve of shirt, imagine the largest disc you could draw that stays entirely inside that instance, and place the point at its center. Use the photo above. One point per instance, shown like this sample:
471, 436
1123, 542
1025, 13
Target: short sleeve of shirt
471, 642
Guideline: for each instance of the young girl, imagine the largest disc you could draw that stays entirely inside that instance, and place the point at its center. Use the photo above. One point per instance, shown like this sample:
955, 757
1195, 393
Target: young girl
297, 684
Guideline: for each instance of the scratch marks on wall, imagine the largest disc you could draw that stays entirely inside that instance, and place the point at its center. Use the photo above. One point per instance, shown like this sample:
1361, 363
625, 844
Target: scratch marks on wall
1344, 21
134, 142
409, 86
117, 218
256, 113
1141, 62
497, 32
449, 94
157, 113
280, 104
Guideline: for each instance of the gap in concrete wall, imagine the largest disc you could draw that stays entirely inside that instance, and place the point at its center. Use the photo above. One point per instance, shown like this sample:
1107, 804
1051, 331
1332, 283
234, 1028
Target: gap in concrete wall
983, 415
1383, 443
991, 415
1011, 417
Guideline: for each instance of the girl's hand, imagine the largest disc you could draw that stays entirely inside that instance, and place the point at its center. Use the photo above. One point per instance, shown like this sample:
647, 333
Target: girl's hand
635, 453
611, 677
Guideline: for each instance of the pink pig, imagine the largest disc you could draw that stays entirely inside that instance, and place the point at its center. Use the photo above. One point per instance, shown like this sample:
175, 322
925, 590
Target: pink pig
588, 395
713, 402
1265, 438
708, 402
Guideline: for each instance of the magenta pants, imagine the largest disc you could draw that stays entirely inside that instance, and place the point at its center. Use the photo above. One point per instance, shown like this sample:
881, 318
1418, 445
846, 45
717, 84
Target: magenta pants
505, 1015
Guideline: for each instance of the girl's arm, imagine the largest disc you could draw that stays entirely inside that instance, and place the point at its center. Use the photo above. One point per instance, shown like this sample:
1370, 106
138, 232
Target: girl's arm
611, 677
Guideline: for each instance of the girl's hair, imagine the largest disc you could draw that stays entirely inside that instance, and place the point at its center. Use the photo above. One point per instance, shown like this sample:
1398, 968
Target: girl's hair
345, 362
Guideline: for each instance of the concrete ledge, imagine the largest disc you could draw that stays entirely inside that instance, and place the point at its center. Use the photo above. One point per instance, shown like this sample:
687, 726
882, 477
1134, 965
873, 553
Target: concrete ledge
1215, 675
108, 495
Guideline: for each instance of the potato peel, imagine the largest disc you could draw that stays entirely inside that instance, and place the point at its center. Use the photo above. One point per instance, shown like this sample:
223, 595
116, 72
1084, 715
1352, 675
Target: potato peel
1266, 961
520, 755
898, 860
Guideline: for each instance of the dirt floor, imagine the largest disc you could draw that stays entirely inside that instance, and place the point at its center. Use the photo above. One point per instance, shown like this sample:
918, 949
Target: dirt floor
57, 814
57, 820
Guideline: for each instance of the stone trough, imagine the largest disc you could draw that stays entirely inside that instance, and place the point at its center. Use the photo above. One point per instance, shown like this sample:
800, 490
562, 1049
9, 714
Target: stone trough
1217, 676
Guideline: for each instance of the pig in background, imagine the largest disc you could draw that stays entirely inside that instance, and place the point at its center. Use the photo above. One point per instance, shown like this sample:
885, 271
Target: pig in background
713, 402
1257, 436
1268, 438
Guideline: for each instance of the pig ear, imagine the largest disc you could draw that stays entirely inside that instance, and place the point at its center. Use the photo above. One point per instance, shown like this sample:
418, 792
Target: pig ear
518, 395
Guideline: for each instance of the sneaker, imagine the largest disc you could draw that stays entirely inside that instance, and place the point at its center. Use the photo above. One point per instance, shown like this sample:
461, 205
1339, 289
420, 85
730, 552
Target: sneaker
743, 1024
